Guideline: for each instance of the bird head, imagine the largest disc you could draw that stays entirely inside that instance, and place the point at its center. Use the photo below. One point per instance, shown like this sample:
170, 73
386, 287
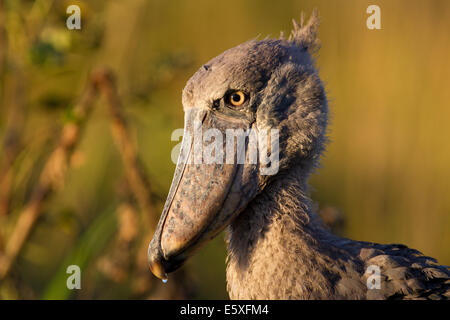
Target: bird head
251, 114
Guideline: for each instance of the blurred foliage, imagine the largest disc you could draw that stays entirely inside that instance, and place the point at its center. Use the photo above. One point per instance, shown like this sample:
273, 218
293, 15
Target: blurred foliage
386, 168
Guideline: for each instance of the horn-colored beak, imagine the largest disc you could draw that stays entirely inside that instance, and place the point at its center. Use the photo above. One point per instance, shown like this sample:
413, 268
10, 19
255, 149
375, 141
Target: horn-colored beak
203, 197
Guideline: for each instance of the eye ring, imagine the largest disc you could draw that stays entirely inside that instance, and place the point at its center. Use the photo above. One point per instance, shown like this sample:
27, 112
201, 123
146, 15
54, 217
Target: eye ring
236, 98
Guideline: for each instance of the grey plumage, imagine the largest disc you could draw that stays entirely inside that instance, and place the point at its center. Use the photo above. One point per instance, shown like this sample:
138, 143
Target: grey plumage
278, 249
277, 246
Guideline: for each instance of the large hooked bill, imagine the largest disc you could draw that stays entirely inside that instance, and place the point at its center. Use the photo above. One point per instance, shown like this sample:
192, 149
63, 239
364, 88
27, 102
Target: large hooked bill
214, 180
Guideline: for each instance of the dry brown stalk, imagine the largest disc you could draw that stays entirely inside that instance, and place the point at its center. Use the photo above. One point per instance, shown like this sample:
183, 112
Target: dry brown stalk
101, 81
12, 144
135, 174
51, 175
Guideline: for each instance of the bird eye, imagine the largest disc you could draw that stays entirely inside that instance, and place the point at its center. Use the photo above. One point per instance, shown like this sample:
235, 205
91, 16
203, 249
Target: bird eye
236, 98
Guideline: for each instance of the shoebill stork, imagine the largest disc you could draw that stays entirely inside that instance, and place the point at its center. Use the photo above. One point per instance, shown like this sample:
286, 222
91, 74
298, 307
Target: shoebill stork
277, 246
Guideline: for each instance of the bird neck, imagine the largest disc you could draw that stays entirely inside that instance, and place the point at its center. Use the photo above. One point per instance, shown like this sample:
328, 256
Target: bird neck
262, 239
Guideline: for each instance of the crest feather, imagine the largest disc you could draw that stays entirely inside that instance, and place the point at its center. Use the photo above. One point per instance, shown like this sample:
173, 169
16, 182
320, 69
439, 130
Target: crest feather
305, 35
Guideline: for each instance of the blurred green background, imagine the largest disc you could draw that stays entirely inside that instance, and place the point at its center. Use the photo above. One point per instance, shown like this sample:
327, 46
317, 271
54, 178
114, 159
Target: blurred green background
386, 169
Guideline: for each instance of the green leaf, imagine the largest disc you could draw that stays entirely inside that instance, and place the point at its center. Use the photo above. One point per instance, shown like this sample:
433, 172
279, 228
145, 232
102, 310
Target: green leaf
94, 239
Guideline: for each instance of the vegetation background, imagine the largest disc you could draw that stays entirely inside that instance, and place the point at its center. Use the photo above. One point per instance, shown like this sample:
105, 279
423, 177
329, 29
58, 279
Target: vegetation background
386, 171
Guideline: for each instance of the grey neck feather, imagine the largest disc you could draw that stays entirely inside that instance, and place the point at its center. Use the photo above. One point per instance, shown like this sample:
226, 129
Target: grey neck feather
278, 239
278, 249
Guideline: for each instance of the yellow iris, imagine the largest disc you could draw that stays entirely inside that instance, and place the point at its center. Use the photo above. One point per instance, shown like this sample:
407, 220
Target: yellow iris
237, 98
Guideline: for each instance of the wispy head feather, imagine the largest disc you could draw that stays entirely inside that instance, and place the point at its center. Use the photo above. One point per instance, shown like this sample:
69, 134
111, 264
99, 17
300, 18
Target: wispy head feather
305, 36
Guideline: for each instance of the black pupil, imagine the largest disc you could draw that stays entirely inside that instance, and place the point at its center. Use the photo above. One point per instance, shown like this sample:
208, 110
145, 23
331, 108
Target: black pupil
235, 97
